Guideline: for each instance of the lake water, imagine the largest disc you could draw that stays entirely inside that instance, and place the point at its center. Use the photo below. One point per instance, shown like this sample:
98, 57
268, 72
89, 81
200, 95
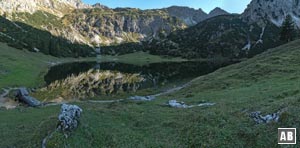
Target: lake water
156, 74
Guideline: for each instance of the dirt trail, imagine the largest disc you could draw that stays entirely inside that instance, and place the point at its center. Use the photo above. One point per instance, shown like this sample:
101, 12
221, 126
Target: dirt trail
5, 101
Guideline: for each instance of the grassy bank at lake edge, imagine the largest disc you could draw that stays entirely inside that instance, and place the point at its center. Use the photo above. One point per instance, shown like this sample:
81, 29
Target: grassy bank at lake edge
24, 68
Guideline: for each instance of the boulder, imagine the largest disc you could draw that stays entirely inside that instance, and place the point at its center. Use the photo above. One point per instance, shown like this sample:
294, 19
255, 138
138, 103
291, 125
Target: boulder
142, 98
69, 117
23, 96
259, 119
177, 104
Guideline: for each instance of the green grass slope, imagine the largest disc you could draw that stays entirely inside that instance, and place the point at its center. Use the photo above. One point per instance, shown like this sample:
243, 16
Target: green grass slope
21, 67
267, 82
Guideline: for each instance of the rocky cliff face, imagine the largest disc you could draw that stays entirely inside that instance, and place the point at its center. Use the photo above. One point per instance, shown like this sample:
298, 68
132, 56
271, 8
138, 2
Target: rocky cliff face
274, 11
56, 7
114, 26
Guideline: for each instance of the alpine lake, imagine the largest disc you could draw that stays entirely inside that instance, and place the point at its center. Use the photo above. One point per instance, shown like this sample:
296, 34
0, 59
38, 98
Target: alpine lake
116, 80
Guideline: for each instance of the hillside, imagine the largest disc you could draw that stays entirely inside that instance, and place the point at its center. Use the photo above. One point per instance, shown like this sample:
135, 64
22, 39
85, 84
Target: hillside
222, 36
21, 67
268, 83
20, 35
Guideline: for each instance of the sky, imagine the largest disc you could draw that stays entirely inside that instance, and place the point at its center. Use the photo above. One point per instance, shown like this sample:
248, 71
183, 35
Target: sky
232, 6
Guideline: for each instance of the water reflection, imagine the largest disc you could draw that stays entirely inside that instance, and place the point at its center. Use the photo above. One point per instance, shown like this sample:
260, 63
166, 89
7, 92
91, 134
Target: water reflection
156, 74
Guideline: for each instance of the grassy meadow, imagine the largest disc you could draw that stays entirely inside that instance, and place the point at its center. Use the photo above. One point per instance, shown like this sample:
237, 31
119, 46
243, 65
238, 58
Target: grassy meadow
268, 82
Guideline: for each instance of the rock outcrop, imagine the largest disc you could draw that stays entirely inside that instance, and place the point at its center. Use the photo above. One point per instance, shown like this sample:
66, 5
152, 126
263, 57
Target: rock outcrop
177, 104
23, 96
260, 119
69, 117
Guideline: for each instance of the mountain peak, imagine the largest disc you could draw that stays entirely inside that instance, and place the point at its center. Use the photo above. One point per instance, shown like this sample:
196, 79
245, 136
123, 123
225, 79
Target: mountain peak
98, 5
189, 15
274, 11
217, 11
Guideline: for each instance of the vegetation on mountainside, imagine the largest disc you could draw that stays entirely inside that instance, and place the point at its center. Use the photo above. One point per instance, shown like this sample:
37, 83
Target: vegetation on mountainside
222, 36
288, 32
20, 35
39, 19
269, 82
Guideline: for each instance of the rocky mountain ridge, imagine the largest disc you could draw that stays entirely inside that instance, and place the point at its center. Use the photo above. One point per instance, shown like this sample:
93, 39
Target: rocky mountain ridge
191, 16
274, 11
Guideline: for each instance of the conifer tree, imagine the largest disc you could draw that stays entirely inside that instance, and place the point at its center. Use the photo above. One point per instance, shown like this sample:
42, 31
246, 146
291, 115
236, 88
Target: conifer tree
287, 30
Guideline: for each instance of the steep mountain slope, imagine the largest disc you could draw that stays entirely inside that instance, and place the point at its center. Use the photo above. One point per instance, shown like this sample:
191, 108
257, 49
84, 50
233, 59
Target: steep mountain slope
272, 10
223, 36
21, 36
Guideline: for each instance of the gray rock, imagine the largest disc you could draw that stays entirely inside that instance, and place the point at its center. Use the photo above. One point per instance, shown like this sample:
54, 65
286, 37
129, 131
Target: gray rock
176, 104
23, 96
142, 98
260, 119
69, 117
206, 104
